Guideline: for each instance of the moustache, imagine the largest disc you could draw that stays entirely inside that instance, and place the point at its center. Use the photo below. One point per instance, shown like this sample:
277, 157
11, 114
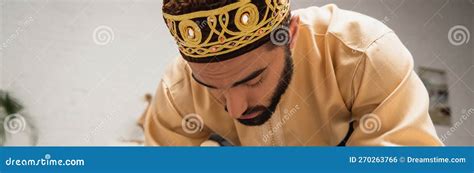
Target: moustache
252, 109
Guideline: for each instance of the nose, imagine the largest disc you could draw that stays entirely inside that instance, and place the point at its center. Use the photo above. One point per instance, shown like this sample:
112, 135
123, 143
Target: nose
235, 102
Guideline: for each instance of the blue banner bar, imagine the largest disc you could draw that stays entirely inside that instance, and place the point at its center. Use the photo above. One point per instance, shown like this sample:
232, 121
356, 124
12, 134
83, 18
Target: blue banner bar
236, 159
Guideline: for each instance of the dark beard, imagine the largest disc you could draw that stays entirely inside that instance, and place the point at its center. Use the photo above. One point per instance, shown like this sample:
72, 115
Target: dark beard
267, 112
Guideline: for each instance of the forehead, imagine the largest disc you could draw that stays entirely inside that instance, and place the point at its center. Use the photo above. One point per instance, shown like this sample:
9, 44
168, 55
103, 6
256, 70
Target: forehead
233, 69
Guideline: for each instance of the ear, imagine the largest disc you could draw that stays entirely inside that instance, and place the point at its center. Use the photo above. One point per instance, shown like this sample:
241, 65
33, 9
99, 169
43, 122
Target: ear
294, 25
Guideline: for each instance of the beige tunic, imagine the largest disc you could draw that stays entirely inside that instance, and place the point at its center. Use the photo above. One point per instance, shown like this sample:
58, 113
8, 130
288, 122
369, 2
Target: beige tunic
348, 67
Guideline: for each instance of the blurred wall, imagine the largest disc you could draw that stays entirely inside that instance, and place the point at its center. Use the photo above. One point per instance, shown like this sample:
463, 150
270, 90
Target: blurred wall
81, 67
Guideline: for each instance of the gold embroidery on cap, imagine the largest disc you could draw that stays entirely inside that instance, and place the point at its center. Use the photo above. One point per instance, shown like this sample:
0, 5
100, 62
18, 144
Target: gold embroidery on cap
205, 33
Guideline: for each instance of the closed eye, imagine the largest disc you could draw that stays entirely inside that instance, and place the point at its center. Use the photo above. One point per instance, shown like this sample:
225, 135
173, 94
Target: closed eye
256, 84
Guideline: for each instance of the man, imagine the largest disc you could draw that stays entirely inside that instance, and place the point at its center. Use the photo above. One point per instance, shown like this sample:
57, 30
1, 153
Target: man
257, 74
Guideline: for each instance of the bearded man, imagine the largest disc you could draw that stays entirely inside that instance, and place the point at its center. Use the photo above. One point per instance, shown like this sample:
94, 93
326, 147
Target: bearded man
257, 73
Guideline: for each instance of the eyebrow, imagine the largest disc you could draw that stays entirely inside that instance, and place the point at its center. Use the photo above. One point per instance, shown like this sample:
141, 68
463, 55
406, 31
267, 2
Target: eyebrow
253, 75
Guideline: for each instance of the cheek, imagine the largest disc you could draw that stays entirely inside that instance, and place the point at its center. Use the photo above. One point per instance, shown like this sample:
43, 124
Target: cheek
263, 93
259, 96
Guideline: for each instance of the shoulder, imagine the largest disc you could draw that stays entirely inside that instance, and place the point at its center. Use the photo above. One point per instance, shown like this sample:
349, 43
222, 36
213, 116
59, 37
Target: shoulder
176, 73
355, 30
176, 85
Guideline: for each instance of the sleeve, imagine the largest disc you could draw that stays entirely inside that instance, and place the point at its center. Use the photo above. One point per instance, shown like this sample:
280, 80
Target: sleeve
390, 103
163, 123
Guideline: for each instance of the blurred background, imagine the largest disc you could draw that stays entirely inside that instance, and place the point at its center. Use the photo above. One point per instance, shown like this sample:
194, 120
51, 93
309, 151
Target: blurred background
79, 69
